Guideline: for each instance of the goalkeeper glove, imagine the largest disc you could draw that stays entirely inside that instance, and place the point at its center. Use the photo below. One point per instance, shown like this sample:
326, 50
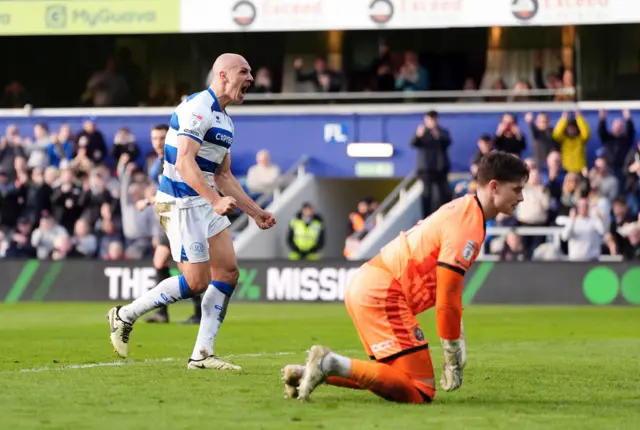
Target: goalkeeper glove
455, 359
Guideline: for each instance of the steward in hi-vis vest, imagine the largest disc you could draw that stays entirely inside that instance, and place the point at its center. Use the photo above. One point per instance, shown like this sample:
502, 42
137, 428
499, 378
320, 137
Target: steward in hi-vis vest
306, 235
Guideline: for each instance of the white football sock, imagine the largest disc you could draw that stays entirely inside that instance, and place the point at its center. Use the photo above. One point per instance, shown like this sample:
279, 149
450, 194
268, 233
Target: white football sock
214, 308
336, 365
166, 292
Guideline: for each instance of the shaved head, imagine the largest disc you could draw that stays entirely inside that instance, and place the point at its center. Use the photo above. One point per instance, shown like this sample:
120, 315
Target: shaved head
226, 62
231, 78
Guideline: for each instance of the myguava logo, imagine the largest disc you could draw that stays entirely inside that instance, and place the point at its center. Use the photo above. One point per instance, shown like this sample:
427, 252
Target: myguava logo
55, 16
601, 285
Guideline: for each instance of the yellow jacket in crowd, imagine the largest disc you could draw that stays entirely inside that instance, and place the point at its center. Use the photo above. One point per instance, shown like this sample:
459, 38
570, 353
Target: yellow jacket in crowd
573, 146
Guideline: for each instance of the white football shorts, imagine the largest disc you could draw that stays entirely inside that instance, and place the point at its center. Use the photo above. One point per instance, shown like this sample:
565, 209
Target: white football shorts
189, 229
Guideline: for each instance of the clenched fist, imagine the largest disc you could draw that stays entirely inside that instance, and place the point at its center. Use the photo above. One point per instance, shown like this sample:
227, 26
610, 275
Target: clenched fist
225, 206
265, 220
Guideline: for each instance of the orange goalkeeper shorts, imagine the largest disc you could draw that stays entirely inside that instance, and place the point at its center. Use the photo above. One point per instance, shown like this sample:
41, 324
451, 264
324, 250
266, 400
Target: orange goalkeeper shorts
387, 327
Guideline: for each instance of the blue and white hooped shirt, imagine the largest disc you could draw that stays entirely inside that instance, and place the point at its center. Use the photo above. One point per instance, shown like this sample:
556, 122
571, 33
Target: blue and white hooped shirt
200, 118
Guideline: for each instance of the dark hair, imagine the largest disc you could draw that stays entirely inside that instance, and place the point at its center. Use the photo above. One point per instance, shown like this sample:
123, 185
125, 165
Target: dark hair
621, 200
503, 167
432, 114
163, 127
486, 137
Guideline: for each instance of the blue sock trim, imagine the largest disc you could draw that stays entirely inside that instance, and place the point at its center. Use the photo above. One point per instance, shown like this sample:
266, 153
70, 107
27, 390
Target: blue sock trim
185, 291
223, 287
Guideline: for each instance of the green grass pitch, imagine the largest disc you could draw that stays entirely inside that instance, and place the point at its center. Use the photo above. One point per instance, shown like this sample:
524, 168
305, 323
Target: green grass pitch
528, 368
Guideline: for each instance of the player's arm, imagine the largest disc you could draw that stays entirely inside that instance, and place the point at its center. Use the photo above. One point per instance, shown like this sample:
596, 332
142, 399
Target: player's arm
449, 302
449, 322
456, 255
229, 186
188, 168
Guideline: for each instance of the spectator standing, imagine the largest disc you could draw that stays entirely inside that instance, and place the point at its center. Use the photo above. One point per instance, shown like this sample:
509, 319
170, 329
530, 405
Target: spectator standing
572, 134
10, 198
553, 180
51, 176
567, 83
137, 225
323, 79
124, 142
97, 195
107, 87
485, 146
601, 177
107, 233
358, 225
60, 148
584, 233
543, 143
158, 137
81, 162
84, 242
22, 172
10, 148
67, 200
93, 139
599, 206
263, 83
509, 137
433, 164
20, 241
384, 79
63, 249
571, 193
621, 216
533, 211
412, 76
37, 150
37, 197
632, 170
631, 248
44, 237
617, 143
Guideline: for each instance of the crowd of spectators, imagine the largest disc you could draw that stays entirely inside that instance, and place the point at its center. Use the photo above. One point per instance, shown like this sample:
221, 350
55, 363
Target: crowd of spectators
121, 81
69, 195
66, 194
596, 208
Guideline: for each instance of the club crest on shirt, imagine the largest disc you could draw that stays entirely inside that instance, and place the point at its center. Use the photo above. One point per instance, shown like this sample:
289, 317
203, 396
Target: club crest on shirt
417, 332
469, 250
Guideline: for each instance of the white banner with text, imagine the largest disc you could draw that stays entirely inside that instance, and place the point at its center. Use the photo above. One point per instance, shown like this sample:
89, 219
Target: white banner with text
306, 15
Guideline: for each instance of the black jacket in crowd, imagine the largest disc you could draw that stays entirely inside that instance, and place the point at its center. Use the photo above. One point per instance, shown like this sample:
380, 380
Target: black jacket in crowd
433, 157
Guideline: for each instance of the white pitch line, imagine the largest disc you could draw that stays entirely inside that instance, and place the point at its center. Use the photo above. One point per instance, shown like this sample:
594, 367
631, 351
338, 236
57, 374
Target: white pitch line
134, 362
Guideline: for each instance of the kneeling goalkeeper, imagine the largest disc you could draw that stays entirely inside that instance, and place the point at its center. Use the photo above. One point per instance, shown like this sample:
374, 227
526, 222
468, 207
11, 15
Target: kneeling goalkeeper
420, 269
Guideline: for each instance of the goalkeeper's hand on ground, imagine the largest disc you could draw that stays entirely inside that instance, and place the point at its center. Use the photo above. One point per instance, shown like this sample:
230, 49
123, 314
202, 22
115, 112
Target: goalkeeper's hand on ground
455, 359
